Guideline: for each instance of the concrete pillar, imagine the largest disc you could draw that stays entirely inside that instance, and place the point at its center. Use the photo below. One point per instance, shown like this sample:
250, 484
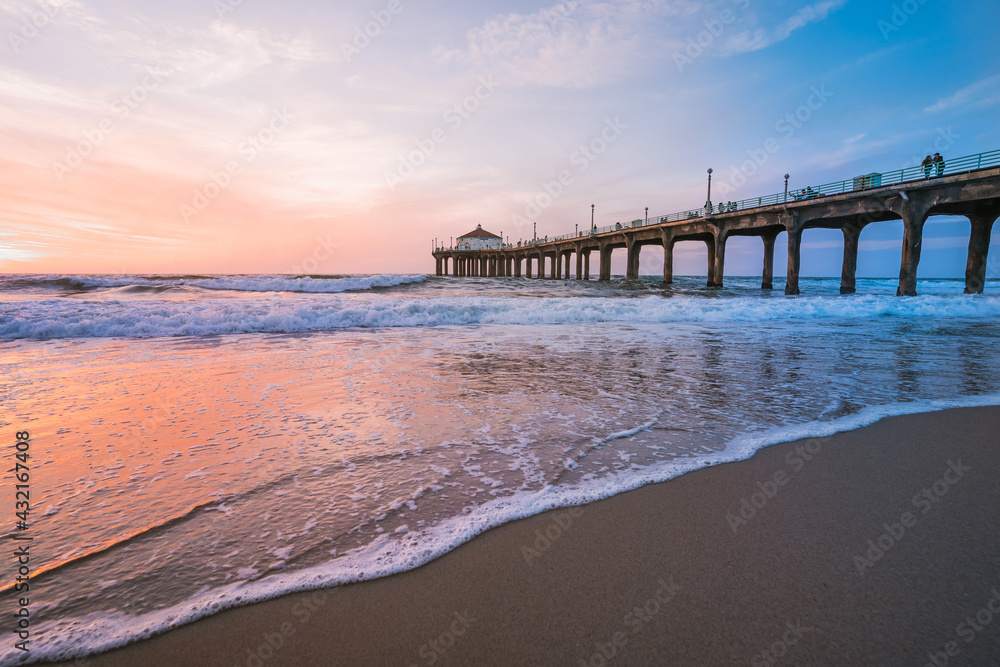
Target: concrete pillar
527, 266
767, 274
557, 264
979, 248
579, 264
720, 257
794, 252
541, 265
632, 261
569, 259
586, 265
913, 234
605, 270
668, 258
711, 261
848, 280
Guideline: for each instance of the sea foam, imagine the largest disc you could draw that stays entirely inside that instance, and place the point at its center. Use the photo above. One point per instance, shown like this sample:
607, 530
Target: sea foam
47, 318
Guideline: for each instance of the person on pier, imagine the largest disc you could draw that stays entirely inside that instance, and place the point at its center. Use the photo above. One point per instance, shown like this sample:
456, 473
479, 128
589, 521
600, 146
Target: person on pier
938, 163
927, 164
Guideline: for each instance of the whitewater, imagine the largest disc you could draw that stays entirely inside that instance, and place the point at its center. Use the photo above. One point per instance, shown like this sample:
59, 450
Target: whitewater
202, 442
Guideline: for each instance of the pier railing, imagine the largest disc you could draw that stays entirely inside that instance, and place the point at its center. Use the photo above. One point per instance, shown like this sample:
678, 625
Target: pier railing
858, 183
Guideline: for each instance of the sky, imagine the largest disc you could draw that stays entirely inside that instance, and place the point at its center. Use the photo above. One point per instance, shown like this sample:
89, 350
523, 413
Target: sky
246, 136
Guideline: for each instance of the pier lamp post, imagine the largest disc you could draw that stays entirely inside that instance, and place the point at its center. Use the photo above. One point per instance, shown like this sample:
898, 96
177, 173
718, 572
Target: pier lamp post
593, 227
534, 228
786, 187
647, 215
708, 202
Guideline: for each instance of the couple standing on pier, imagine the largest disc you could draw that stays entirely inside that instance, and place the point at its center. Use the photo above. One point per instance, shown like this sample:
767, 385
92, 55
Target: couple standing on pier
930, 163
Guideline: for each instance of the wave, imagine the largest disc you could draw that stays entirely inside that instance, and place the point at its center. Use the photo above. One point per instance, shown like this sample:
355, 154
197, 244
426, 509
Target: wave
391, 554
308, 284
74, 318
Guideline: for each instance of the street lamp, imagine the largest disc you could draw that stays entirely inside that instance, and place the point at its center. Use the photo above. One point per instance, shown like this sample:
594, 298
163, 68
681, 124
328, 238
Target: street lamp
786, 187
534, 227
647, 215
576, 229
592, 226
708, 202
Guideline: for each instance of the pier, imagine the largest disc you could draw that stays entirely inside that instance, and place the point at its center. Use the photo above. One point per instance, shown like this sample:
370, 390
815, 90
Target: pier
968, 187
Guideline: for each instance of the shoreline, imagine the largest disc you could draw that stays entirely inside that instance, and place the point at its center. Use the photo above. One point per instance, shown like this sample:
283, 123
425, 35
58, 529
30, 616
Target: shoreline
718, 566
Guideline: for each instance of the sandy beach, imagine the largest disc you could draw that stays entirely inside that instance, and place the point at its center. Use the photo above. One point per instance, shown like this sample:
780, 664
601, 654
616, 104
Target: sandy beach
873, 547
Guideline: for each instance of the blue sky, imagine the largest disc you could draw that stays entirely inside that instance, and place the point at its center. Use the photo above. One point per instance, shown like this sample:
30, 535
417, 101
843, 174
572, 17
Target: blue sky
373, 158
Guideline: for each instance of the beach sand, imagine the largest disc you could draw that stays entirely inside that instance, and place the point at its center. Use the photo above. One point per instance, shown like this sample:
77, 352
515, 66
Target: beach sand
661, 576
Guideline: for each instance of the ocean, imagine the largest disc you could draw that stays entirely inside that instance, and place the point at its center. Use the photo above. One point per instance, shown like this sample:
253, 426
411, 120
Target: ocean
201, 442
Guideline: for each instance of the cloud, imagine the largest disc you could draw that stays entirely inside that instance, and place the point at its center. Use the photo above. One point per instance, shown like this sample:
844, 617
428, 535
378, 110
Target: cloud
571, 44
985, 93
762, 38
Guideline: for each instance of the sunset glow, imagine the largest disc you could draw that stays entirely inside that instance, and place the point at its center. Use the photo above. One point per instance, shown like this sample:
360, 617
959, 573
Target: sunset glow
235, 137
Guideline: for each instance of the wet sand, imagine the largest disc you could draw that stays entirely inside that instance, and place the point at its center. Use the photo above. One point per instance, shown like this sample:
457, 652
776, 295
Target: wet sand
880, 546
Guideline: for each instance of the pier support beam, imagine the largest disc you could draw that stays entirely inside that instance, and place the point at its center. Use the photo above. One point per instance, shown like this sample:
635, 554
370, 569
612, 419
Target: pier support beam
632, 261
794, 258
517, 267
848, 280
586, 265
767, 275
979, 248
710, 243
914, 216
569, 260
719, 263
541, 266
605, 270
579, 264
668, 258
